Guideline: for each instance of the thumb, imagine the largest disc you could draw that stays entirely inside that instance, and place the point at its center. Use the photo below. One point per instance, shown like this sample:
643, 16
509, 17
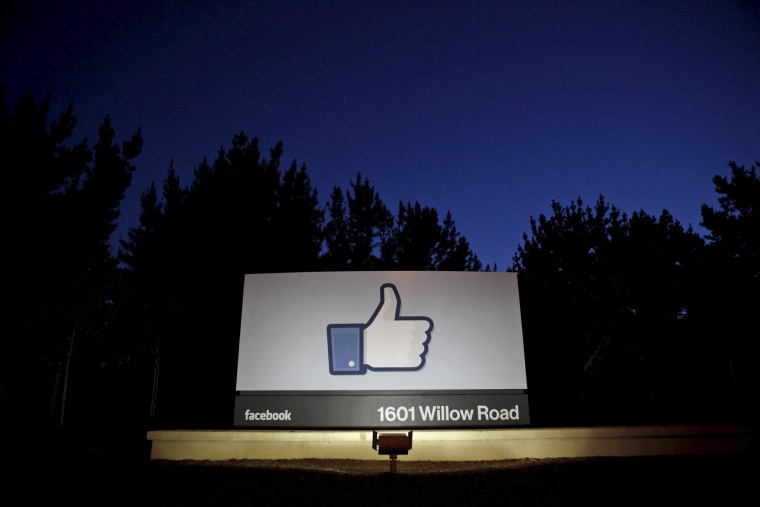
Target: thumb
389, 303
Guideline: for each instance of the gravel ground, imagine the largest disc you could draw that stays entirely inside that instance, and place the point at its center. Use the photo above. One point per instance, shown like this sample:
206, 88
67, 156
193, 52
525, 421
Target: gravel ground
100, 480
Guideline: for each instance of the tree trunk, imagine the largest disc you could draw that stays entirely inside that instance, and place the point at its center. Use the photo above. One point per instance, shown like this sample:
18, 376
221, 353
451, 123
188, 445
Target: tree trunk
66, 375
54, 396
154, 393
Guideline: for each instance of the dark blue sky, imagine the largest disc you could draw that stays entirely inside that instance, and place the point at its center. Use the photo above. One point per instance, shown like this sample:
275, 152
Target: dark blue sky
488, 109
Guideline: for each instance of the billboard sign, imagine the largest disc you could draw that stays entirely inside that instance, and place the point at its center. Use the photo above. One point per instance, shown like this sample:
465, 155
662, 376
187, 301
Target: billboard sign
381, 349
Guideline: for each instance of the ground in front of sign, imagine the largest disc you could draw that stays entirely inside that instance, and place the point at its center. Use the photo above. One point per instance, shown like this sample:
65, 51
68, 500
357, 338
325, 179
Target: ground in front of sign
83, 476
724, 480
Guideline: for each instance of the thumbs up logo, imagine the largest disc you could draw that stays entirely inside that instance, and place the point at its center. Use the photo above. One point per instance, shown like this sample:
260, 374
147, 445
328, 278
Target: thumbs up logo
387, 342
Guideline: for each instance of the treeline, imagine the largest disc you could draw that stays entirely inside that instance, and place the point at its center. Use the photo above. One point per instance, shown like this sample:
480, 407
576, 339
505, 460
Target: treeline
626, 319
636, 319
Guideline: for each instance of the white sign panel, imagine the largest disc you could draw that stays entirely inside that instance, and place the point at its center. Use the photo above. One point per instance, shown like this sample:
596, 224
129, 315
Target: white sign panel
381, 331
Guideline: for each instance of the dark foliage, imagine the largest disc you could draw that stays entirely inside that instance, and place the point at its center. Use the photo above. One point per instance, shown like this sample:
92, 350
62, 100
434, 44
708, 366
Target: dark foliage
613, 315
362, 234
730, 295
186, 263
59, 279
359, 224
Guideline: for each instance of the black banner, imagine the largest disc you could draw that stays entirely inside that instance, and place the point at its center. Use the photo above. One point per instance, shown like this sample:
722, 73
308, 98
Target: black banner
371, 410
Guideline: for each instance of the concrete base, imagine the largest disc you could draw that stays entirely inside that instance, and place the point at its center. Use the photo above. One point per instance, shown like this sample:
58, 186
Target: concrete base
456, 445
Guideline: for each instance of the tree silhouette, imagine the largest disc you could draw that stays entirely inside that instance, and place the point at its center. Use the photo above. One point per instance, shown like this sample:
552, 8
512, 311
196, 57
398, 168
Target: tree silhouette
59, 277
735, 226
359, 224
414, 239
298, 220
339, 248
454, 252
732, 280
418, 241
188, 257
605, 312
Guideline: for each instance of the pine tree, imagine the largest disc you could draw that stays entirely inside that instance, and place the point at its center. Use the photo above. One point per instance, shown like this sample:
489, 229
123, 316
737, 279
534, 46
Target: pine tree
358, 226
731, 276
59, 274
608, 314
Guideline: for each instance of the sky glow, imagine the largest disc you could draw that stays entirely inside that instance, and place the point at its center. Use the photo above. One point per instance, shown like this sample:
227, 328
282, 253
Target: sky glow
489, 110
